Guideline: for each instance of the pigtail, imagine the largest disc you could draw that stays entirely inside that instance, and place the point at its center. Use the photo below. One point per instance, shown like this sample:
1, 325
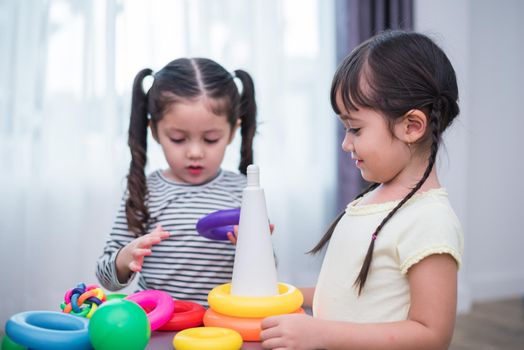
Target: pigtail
137, 213
327, 236
248, 114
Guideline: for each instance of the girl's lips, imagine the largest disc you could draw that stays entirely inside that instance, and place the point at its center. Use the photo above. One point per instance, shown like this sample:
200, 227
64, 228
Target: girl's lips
195, 170
358, 162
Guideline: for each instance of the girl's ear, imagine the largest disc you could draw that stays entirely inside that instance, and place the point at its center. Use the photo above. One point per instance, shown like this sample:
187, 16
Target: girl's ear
234, 130
412, 126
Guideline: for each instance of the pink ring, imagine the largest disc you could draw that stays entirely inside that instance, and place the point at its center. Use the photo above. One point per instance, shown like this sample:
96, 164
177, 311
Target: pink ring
158, 305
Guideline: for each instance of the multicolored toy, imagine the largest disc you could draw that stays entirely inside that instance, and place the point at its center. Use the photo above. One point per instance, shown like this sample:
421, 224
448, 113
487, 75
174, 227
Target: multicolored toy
254, 292
83, 300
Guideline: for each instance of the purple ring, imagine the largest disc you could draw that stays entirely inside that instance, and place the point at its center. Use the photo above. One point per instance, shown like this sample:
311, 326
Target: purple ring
217, 224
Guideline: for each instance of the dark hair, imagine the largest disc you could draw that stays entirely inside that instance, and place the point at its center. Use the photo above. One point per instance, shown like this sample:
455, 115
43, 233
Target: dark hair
184, 78
393, 73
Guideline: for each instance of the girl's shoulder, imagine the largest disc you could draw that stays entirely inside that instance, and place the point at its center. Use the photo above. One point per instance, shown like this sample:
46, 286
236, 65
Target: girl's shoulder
424, 201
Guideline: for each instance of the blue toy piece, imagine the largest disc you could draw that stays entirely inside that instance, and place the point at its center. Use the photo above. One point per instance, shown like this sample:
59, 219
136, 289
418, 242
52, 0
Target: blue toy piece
48, 330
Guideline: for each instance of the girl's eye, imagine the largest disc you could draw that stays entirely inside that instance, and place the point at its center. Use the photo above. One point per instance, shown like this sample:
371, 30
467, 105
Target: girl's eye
177, 140
353, 131
211, 140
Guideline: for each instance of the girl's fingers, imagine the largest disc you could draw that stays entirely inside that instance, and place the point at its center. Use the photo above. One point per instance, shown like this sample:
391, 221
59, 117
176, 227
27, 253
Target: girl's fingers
159, 231
134, 266
273, 343
141, 252
155, 237
269, 322
232, 238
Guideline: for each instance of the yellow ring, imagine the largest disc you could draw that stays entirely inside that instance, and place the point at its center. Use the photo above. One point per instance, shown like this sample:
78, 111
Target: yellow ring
288, 301
207, 338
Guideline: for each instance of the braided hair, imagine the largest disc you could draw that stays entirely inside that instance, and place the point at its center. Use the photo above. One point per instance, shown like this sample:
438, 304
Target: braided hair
393, 73
184, 78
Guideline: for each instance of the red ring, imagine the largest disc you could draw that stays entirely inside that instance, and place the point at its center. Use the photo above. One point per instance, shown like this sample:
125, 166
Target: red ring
187, 314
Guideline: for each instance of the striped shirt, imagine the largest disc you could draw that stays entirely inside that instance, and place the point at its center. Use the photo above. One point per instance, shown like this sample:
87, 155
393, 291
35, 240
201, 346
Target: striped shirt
186, 265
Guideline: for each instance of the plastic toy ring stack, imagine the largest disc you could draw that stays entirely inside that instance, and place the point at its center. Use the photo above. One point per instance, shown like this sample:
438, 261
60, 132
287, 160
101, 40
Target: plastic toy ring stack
83, 300
244, 314
217, 224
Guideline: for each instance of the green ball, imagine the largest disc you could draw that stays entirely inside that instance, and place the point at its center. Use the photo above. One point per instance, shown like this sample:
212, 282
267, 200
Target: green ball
8, 344
115, 296
119, 324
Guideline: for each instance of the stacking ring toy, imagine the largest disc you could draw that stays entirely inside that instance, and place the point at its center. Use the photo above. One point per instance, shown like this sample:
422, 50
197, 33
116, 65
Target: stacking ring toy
48, 330
74, 298
222, 301
249, 328
217, 224
186, 314
158, 305
207, 338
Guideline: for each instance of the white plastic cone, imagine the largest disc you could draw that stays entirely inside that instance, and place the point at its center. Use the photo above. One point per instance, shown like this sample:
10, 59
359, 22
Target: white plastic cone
254, 271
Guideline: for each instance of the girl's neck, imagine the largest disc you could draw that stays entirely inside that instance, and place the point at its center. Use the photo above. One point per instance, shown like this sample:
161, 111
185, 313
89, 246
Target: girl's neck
400, 188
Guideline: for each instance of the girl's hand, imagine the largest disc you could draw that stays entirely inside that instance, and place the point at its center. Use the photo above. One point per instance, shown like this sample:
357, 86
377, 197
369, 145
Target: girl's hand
233, 236
131, 257
293, 331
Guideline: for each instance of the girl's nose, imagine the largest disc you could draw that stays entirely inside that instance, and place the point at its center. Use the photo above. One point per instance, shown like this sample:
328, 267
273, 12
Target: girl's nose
347, 143
195, 151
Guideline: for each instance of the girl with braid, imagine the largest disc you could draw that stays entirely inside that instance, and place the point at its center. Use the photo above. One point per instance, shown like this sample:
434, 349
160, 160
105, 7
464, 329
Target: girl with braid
193, 109
389, 276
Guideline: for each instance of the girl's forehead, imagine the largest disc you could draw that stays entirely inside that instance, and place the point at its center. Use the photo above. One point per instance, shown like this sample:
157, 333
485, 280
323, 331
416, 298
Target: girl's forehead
345, 112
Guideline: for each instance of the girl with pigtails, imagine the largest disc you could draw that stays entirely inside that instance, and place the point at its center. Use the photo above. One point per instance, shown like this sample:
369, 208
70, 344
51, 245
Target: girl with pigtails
193, 109
389, 276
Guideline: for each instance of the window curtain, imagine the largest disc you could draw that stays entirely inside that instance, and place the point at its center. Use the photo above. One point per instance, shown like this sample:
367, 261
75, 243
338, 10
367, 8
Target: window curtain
67, 68
356, 21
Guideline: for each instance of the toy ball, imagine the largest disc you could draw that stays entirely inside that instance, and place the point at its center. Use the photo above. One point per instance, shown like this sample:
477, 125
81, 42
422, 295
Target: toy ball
119, 324
83, 300
115, 296
8, 344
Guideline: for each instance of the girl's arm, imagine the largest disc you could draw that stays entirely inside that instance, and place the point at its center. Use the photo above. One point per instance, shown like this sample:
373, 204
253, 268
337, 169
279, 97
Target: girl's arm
430, 323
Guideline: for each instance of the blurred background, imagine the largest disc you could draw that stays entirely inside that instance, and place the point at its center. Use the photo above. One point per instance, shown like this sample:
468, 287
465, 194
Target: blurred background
67, 66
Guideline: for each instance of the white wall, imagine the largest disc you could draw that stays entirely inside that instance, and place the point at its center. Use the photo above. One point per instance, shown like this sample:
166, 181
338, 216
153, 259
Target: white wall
482, 164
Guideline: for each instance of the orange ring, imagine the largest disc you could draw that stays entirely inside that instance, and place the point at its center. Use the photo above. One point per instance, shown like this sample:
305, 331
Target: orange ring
249, 328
